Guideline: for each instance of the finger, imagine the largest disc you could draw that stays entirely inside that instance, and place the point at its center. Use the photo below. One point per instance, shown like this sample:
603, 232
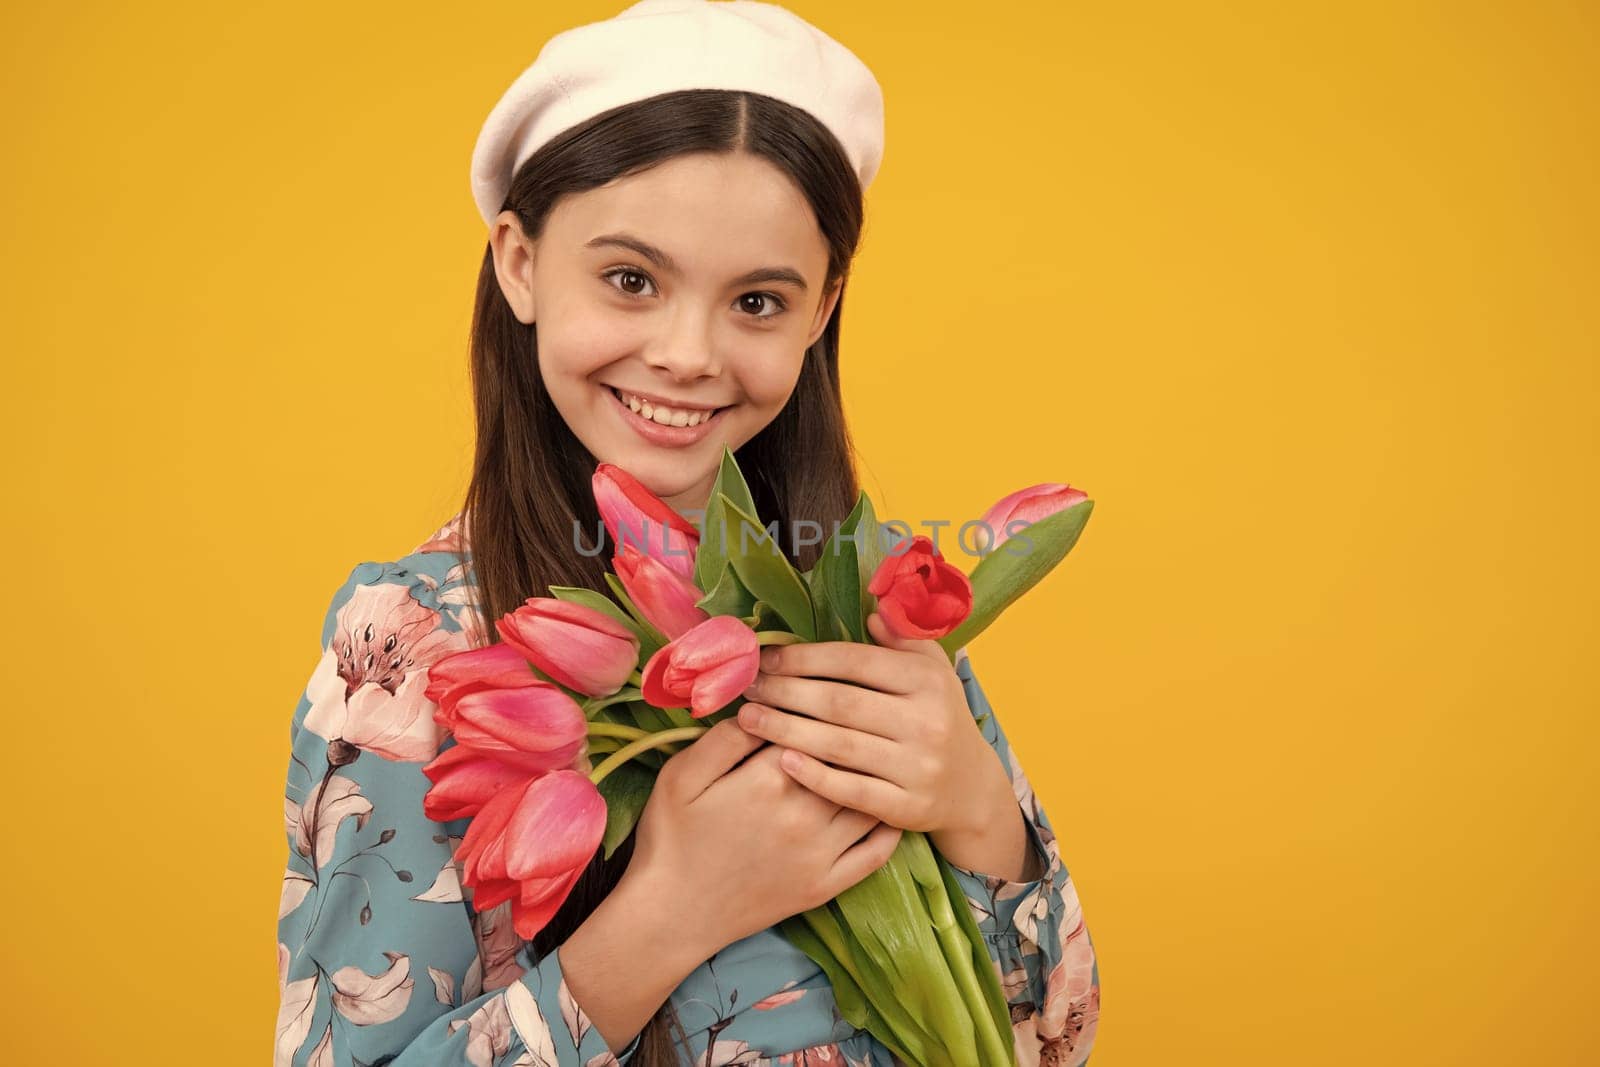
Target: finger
841, 746
829, 701
860, 860
876, 797
847, 661
711, 755
851, 824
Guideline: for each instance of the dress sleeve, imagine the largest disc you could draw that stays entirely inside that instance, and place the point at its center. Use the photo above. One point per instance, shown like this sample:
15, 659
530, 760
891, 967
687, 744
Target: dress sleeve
380, 958
1034, 930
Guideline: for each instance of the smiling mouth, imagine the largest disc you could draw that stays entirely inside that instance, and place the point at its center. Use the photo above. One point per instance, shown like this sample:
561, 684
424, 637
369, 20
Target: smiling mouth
654, 417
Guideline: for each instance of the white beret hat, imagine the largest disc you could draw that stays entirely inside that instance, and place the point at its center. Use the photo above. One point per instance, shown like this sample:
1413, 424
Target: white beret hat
659, 46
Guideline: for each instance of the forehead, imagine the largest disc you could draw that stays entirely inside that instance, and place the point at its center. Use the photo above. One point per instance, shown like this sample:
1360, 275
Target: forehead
701, 208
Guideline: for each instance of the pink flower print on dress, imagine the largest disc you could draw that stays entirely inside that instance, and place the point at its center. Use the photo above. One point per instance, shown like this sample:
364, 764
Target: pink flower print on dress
368, 999
808, 1057
780, 998
1066, 1028
488, 1032
369, 690
453, 537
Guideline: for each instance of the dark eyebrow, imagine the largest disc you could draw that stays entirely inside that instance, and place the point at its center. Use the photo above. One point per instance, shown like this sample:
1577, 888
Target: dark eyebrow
663, 261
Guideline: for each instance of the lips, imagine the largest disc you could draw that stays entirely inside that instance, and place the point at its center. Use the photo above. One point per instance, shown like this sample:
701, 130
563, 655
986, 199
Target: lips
670, 436
623, 394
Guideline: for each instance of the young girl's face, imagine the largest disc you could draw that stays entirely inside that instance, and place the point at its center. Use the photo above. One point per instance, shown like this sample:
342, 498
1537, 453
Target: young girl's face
697, 283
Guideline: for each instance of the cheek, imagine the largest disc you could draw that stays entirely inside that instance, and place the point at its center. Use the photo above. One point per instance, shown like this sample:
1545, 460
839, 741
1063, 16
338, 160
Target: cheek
767, 379
575, 342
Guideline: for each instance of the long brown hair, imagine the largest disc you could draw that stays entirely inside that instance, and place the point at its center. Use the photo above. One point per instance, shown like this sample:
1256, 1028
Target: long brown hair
531, 474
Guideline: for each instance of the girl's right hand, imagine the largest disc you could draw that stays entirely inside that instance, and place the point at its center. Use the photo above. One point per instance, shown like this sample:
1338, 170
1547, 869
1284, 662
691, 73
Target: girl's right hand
736, 847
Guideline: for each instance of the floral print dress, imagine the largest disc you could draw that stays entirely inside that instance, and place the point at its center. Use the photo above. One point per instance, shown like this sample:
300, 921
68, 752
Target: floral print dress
382, 960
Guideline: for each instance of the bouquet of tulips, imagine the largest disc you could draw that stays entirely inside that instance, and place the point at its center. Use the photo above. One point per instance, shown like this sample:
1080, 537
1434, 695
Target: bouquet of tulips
630, 680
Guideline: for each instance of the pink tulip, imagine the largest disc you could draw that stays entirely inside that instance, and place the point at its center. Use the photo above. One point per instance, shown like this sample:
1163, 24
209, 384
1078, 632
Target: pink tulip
1029, 505
579, 646
491, 667
920, 594
705, 668
636, 516
464, 780
661, 594
532, 727
530, 844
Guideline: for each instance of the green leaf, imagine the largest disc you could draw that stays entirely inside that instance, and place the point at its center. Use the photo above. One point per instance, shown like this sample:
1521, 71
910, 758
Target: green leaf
728, 597
836, 585
599, 601
887, 912
819, 934
766, 617
712, 554
870, 554
626, 790
1015, 567
767, 573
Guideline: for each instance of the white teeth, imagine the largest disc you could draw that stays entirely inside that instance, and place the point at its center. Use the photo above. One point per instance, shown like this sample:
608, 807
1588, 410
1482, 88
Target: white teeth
662, 415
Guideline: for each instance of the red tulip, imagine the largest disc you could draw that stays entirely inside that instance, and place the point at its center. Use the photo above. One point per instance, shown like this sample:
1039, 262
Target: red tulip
579, 646
529, 845
919, 594
705, 668
532, 727
1029, 505
464, 780
491, 667
636, 516
661, 594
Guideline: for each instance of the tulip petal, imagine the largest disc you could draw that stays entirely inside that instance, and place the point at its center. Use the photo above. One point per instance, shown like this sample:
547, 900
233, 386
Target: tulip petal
529, 918
919, 593
635, 516
495, 665
1029, 504
579, 646
669, 600
538, 727
717, 686
557, 826
464, 779
704, 668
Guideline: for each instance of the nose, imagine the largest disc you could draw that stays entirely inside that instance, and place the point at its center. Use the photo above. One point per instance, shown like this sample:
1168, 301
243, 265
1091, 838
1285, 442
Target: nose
685, 351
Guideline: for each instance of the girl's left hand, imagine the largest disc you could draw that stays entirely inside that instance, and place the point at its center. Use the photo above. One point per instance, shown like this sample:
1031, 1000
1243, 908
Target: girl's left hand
901, 738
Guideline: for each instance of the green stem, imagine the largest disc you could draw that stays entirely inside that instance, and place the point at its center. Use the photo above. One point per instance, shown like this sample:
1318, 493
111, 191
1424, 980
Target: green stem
601, 728
643, 744
958, 953
777, 637
594, 704
636, 679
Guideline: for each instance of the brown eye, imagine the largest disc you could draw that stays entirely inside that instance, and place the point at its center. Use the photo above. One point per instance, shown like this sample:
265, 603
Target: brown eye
631, 279
772, 301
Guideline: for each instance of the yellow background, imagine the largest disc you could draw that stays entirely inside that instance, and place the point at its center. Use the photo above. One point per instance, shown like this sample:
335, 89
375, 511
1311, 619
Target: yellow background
1303, 297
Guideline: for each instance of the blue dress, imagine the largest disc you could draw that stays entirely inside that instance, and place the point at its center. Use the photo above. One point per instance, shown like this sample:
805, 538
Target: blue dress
382, 960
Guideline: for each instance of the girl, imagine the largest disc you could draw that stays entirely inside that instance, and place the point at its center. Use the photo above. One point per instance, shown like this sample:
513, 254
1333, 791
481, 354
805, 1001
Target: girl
674, 198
